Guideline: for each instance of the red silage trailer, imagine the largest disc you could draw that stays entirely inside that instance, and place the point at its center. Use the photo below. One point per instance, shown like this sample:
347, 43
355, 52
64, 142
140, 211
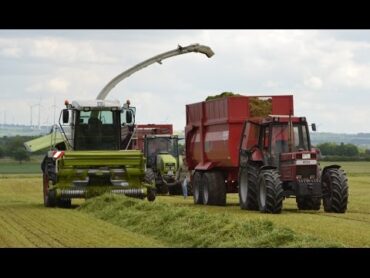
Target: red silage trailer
213, 134
149, 129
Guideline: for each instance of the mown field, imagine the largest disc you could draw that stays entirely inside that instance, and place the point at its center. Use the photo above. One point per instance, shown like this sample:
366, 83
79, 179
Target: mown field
118, 221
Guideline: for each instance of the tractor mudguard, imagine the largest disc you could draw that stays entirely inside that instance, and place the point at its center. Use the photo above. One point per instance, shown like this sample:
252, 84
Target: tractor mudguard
334, 166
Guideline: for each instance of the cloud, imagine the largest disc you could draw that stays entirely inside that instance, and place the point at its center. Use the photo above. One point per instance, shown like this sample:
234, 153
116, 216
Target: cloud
326, 71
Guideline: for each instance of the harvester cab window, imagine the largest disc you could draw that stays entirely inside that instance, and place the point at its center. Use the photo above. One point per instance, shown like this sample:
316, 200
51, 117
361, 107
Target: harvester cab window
95, 130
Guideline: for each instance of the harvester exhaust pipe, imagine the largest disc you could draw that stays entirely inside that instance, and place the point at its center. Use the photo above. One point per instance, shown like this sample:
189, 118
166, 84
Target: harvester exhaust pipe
156, 59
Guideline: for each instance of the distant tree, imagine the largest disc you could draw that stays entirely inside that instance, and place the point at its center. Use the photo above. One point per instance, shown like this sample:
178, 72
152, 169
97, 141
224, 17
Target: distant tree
367, 151
20, 154
1, 152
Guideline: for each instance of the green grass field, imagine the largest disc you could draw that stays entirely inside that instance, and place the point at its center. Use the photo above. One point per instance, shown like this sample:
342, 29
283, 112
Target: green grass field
172, 221
10, 166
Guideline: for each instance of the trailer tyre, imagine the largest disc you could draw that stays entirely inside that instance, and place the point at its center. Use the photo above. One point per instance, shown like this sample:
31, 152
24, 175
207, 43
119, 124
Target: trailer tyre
214, 189
270, 192
335, 191
308, 203
197, 188
248, 180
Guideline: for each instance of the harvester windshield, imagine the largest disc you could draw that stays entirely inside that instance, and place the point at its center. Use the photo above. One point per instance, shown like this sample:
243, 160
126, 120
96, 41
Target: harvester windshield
280, 138
97, 130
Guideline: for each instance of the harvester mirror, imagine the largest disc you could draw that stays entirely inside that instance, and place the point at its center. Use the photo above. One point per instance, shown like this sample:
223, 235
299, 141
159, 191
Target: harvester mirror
128, 116
65, 116
313, 127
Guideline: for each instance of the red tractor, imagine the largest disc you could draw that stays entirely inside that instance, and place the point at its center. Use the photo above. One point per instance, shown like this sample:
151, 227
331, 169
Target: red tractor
232, 146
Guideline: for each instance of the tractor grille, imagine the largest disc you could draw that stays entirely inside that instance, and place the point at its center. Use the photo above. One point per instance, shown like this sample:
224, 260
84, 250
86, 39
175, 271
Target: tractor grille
306, 171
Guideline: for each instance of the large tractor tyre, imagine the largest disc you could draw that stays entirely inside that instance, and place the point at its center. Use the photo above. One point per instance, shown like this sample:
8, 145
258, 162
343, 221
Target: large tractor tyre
248, 179
270, 192
335, 191
197, 188
149, 176
214, 189
64, 203
308, 203
151, 195
49, 195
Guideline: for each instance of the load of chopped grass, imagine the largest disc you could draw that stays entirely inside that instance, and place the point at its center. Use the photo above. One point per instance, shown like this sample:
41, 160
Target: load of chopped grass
185, 227
223, 94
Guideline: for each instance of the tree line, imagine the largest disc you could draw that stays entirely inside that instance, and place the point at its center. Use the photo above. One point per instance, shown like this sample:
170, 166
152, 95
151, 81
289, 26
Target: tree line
13, 147
348, 152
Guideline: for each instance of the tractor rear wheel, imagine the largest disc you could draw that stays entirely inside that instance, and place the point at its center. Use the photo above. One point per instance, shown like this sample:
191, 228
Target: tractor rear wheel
270, 191
197, 188
308, 203
335, 191
248, 177
214, 189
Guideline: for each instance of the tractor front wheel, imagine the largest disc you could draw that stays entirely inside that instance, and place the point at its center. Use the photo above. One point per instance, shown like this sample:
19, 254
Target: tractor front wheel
335, 191
270, 191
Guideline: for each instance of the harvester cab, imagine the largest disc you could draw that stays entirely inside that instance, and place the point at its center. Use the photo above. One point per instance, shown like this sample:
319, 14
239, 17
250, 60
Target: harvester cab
277, 161
93, 158
162, 154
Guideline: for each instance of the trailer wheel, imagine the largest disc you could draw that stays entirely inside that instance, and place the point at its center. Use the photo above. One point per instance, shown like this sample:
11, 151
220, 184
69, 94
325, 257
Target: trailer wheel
335, 191
214, 189
308, 203
248, 177
197, 188
270, 192
49, 195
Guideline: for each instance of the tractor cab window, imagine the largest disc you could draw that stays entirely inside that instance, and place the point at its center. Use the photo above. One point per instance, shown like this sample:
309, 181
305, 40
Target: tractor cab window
280, 138
251, 135
162, 145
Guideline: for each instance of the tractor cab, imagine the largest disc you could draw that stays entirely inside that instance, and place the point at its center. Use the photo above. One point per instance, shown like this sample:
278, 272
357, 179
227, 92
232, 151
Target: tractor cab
162, 156
157, 146
282, 142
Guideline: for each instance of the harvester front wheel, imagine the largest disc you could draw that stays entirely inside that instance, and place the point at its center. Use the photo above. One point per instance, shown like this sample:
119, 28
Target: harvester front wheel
308, 203
151, 195
270, 191
49, 195
214, 189
197, 188
248, 177
335, 191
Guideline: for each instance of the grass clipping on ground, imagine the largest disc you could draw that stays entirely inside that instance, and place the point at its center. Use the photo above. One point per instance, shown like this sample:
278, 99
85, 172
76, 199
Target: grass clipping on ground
185, 227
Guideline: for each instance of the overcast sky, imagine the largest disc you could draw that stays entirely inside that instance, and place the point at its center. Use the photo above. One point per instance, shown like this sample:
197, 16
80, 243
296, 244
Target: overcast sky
327, 71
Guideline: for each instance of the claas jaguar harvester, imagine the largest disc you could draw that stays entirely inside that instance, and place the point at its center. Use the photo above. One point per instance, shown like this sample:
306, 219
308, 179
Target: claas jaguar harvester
256, 147
92, 158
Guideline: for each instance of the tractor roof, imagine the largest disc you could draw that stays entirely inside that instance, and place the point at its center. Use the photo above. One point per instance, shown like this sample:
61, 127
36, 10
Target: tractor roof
81, 104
